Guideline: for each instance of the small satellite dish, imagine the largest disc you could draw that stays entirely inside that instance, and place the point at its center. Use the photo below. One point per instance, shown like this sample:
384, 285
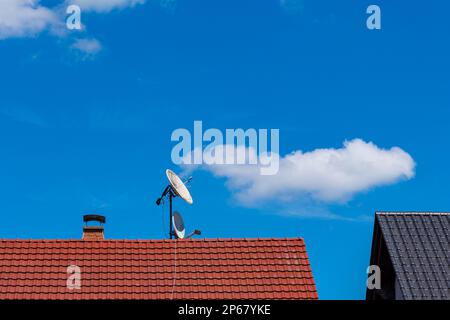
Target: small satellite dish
178, 225
178, 186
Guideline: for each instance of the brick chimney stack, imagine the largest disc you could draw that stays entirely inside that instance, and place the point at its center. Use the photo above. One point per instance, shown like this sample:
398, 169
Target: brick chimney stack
93, 233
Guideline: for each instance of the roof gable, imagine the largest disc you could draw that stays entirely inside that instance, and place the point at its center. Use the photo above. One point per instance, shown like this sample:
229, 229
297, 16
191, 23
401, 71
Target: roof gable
419, 248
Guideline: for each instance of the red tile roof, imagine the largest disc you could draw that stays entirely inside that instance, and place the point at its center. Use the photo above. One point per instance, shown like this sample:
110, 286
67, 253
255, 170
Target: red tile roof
157, 269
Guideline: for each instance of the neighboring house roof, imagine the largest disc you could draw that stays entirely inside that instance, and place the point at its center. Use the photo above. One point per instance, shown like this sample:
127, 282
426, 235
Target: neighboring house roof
157, 269
418, 246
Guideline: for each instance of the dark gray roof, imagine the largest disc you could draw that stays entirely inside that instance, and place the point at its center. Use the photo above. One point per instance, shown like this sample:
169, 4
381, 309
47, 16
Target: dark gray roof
419, 248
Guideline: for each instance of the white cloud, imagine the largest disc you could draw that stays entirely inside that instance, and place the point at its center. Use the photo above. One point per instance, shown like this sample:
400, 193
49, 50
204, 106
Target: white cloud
322, 175
28, 18
24, 18
105, 5
88, 47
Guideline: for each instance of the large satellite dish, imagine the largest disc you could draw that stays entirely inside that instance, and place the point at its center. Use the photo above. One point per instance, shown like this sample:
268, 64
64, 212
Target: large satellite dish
178, 186
178, 225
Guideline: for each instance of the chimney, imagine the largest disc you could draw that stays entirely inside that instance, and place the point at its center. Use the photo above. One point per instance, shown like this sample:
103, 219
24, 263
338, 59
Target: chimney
93, 233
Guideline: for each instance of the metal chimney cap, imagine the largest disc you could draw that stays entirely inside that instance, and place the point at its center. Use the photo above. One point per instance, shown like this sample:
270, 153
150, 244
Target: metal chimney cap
94, 217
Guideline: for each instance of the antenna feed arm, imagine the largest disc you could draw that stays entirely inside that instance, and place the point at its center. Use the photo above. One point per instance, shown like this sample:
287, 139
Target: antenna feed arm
166, 190
193, 233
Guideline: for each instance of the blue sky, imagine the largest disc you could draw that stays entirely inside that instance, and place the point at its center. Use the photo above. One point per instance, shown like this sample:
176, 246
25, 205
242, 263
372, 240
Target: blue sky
88, 130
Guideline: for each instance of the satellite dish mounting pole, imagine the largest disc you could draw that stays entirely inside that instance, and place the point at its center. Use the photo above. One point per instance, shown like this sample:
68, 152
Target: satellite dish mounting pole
171, 214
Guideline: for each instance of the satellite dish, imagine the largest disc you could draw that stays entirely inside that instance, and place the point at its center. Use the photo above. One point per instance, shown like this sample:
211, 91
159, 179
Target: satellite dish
178, 186
178, 225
